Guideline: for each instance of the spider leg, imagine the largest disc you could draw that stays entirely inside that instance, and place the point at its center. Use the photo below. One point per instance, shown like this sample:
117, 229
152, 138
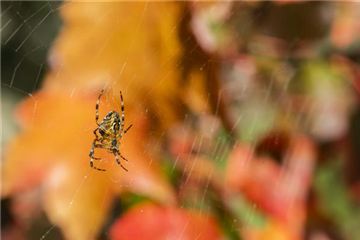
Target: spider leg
99, 146
92, 157
97, 107
96, 136
122, 112
123, 133
118, 152
118, 161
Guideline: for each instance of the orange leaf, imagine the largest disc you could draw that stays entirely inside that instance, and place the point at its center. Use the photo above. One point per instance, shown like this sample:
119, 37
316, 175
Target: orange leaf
132, 46
53, 152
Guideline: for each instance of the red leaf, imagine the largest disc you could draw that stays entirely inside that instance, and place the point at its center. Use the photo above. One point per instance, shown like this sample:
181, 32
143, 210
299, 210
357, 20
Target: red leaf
150, 221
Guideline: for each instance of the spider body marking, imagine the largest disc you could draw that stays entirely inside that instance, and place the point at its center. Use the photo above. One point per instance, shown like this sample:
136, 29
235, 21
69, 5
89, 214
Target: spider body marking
111, 130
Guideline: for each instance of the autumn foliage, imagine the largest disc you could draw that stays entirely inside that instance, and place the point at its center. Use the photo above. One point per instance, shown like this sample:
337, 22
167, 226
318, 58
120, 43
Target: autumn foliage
235, 120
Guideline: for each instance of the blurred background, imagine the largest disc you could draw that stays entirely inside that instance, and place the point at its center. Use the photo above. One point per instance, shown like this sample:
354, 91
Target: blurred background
246, 120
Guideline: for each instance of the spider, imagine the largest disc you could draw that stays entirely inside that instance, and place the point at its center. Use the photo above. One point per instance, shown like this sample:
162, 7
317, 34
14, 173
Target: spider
111, 131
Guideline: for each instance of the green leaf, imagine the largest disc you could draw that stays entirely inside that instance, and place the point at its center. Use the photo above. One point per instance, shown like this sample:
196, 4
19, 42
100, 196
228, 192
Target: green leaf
334, 200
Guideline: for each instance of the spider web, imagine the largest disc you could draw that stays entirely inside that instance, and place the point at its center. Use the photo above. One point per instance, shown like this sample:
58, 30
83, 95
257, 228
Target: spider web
28, 31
